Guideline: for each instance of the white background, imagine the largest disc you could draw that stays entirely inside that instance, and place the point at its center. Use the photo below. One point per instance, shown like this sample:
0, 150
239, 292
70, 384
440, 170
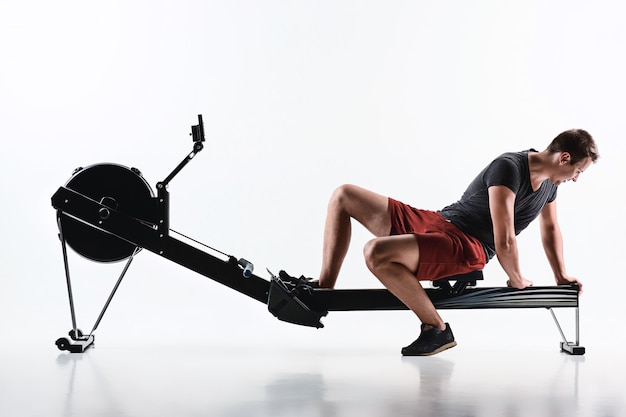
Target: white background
408, 98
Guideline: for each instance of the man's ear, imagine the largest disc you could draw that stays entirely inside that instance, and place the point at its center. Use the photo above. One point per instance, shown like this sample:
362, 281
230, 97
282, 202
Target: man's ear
565, 158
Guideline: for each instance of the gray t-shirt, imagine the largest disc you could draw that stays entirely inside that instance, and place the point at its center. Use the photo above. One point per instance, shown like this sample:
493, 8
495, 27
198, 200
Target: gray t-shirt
471, 213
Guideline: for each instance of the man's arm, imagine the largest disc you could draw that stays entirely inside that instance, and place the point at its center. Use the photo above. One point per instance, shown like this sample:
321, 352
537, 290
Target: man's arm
501, 206
552, 240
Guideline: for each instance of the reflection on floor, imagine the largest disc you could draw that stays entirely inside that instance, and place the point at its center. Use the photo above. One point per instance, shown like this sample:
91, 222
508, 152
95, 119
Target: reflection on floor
322, 383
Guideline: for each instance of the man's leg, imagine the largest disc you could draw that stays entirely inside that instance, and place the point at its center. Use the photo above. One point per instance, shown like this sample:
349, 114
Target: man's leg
393, 260
348, 202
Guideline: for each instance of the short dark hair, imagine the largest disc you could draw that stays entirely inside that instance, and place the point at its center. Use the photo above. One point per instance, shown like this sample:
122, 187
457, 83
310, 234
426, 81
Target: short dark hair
578, 143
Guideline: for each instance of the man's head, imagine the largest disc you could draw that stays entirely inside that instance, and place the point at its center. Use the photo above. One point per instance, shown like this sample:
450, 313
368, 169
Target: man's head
573, 151
578, 143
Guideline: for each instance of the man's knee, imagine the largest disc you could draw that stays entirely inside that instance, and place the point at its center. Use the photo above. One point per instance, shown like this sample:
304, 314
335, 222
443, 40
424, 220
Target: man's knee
375, 255
342, 195
384, 251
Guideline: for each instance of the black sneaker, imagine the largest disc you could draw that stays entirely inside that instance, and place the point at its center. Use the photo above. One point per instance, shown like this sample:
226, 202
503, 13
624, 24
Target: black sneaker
431, 341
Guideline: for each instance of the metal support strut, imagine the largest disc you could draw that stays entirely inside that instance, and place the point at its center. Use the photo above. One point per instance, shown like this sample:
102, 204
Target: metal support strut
117, 284
573, 348
67, 277
77, 342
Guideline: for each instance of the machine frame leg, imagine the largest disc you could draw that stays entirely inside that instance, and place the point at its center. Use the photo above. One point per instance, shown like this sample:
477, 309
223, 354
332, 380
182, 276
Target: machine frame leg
573, 348
77, 342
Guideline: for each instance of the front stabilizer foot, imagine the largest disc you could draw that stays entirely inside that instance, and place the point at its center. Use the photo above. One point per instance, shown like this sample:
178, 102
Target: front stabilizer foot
572, 348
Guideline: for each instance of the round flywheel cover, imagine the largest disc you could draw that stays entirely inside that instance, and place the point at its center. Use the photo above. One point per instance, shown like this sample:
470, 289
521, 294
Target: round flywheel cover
123, 189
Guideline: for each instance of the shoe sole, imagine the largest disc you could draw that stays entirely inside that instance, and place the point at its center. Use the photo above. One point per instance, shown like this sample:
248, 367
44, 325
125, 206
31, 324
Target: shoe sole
434, 352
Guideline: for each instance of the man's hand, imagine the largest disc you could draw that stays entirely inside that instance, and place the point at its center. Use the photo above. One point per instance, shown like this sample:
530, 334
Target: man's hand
519, 283
565, 280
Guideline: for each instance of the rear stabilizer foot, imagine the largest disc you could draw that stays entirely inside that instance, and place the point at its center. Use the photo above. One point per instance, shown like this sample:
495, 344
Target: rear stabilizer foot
76, 343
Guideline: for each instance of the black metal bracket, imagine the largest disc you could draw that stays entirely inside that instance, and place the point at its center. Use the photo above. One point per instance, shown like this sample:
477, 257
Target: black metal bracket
461, 282
163, 196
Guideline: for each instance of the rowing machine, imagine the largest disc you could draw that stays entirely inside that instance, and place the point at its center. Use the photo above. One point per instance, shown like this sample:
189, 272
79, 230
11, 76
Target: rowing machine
109, 213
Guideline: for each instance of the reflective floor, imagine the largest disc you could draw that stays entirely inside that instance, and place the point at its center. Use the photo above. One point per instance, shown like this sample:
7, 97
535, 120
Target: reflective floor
190, 381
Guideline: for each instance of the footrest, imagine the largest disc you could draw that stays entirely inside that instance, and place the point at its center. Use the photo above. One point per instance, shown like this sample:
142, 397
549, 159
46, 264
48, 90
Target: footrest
284, 304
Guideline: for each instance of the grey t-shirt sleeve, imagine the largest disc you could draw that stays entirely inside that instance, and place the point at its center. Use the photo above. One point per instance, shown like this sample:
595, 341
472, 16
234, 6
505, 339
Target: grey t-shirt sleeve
502, 171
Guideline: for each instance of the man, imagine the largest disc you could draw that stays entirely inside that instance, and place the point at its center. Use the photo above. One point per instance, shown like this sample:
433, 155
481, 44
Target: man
413, 245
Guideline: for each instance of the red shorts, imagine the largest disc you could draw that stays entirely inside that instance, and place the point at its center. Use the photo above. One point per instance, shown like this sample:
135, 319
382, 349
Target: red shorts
444, 249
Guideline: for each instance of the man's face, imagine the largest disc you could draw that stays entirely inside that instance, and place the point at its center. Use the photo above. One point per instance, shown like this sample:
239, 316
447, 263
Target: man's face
567, 171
